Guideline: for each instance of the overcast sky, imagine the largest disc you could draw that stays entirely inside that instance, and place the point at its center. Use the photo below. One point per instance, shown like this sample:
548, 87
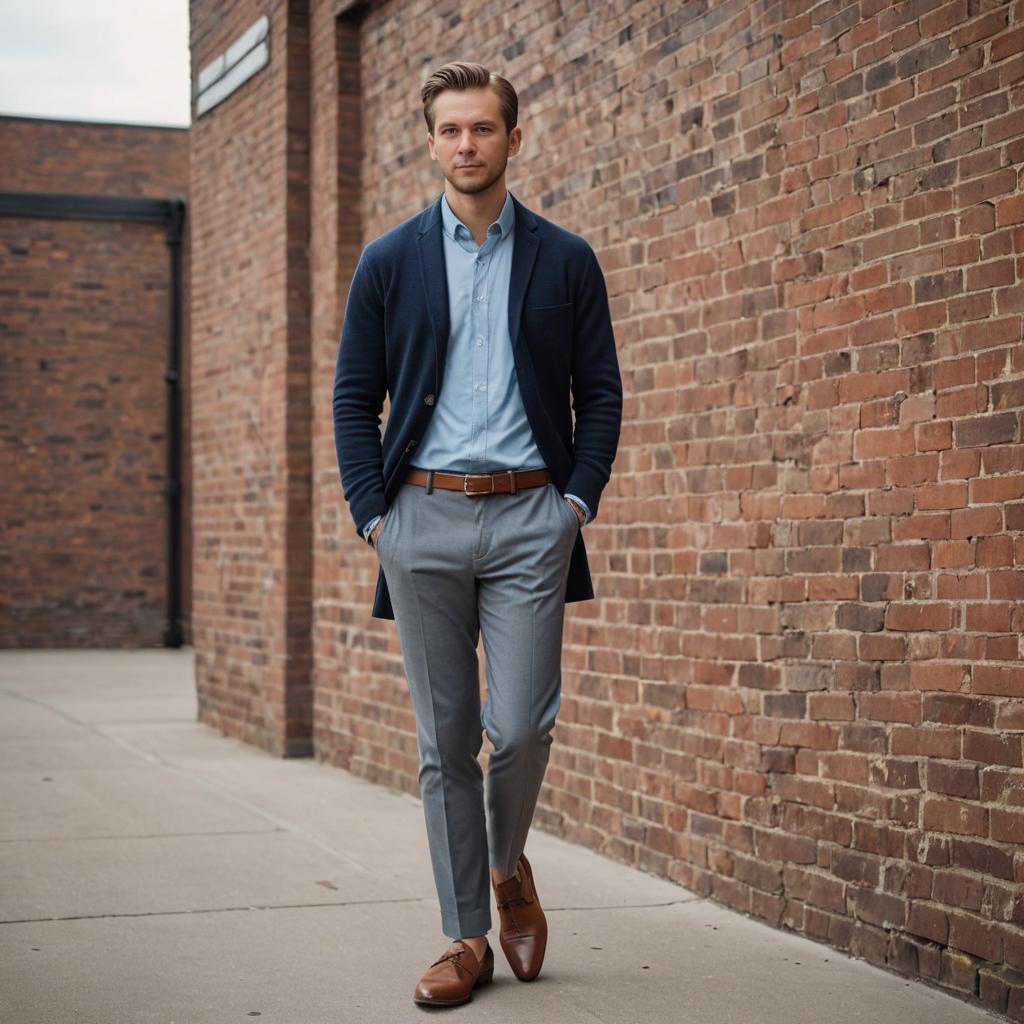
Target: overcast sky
96, 60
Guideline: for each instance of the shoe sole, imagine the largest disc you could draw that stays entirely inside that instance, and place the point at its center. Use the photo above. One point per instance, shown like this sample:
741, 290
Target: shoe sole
483, 979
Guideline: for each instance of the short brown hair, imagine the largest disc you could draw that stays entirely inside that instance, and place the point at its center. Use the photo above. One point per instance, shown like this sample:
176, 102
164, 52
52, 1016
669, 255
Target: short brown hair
461, 75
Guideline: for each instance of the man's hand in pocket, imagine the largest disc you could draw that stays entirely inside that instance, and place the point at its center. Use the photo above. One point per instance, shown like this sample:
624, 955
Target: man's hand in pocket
580, 514
376, 530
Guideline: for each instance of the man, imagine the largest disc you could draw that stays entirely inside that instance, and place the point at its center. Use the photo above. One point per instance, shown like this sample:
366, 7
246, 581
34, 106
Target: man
479, 319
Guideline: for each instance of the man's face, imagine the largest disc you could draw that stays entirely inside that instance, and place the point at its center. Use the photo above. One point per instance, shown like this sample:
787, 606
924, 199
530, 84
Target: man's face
470, 140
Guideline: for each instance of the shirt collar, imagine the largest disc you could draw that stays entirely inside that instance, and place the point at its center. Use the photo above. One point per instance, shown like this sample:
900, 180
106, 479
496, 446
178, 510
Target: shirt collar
454, 227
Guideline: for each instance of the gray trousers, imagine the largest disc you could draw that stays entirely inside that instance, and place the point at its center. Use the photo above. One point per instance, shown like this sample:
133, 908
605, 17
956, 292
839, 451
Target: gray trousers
459, 567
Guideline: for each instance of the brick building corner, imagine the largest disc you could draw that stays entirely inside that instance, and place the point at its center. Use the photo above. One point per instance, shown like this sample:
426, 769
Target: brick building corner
800, 690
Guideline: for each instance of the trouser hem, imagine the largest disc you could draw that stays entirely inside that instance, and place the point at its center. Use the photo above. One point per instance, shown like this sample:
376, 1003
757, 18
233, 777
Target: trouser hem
476, 923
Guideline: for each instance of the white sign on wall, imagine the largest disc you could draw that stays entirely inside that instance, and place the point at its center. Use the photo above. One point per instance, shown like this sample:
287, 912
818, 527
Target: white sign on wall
237, 64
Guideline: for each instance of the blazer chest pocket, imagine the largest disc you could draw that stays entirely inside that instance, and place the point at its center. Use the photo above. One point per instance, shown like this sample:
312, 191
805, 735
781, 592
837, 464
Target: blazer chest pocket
553, 323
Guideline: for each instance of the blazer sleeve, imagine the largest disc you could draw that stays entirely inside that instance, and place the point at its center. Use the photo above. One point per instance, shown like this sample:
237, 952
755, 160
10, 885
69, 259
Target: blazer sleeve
596, 388
360, 384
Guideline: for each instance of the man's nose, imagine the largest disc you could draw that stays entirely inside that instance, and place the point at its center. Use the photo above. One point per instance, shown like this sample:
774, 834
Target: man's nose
466, 143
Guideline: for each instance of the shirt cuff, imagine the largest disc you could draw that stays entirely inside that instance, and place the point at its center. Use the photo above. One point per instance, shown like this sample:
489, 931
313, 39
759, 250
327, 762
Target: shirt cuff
583, 505
368, 528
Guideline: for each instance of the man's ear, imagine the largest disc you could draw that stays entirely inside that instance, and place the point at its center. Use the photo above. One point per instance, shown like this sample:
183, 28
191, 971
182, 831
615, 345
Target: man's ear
430, 146
515, 140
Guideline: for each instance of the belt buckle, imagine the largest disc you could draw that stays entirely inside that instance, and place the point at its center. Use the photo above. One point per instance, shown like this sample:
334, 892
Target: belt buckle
475, 494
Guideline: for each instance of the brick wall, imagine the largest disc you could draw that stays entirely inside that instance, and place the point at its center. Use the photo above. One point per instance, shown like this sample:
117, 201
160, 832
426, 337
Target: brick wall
83, 349
800, 691
251, 420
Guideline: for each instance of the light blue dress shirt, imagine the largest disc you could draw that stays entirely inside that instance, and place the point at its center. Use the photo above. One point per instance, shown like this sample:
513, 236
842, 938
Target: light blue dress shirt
479, 424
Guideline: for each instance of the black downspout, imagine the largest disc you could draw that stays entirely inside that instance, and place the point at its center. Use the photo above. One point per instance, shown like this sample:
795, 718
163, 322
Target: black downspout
173, 635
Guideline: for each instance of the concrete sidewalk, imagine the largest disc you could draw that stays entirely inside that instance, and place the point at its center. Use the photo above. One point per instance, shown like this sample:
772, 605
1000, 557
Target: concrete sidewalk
155, 871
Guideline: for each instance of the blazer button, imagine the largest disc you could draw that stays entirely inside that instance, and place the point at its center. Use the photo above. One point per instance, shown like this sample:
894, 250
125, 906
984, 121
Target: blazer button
429, 400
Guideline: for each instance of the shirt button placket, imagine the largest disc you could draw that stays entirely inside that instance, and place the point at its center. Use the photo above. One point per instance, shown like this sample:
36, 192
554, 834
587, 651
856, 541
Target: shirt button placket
479, 364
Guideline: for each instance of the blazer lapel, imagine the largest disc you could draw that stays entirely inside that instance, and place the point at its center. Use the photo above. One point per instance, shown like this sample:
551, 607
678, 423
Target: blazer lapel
435, 281
524, 255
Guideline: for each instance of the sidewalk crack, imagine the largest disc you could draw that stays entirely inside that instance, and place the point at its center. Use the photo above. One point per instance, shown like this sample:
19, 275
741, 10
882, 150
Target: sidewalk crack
216, 910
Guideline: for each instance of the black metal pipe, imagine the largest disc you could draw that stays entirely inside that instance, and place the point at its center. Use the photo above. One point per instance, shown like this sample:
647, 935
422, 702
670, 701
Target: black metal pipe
174, 633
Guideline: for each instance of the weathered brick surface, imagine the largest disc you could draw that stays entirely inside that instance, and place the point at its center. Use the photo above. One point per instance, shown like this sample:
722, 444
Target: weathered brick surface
251, 420
84, 313
799, 689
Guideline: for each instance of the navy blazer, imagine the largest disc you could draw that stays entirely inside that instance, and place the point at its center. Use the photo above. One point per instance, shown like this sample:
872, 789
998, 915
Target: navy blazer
395, 337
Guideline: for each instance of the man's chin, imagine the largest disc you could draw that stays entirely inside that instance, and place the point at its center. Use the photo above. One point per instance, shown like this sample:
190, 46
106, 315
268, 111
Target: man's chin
472, 188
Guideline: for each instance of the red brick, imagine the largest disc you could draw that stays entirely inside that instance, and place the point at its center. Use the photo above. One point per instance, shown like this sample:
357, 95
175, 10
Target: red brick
975, 306
975, 522
1008, 394
1002, 128
990, 275
985, 430
937, 496
952, 555
1007, 585
997, 489
961, 403
891, 707
960, 586
1000, 680
1010, 211
1007, 826
989, 617
868, 443
960, 465
993, 552
919, 616
1004, 45
955, 816
978, 28
988, 187
953, 373
900, 240
979, 219
933, 437
967, 250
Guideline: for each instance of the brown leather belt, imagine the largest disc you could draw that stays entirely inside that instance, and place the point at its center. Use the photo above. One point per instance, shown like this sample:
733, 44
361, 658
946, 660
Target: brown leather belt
473, 484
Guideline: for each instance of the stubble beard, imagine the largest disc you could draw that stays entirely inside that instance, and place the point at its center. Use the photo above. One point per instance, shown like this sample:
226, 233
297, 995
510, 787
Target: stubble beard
473, 188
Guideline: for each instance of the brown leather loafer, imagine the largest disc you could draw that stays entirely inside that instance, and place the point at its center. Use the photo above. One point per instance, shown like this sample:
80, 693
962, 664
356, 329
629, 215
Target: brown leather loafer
524, 929
450, 980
